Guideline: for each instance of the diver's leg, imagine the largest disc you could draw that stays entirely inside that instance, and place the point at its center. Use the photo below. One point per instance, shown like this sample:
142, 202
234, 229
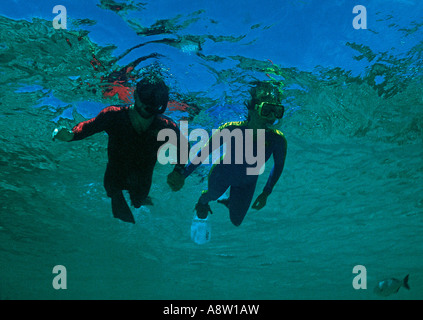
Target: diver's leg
218, 183
120, 208
139, 191
239, 201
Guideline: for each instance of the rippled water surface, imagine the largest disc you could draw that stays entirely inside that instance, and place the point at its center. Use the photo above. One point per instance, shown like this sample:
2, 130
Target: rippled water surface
350, 193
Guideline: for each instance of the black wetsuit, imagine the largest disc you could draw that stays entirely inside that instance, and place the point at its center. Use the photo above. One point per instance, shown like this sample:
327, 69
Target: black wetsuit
132, 155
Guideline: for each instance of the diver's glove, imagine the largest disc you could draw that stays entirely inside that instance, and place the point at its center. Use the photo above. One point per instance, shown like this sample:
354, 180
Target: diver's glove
176, 179
203, 210
260, 201
62, 134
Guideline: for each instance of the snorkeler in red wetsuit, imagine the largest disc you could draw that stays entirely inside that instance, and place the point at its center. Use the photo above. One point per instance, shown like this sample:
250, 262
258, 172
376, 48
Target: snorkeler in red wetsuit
133, 144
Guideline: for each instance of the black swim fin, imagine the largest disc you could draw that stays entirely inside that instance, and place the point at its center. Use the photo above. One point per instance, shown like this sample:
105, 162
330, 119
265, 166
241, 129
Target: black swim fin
120, 208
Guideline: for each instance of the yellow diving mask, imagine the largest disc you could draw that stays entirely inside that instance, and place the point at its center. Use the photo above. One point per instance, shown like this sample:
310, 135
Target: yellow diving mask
265, 109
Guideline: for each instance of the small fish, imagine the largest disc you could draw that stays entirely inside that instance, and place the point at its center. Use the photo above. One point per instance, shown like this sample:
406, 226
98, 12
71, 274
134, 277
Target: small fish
389, 286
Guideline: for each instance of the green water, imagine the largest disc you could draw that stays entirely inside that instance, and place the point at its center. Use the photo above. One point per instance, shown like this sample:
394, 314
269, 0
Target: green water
350, 193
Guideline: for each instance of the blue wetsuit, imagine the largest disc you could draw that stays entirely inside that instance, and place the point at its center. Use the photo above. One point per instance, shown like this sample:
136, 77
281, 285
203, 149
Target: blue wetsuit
242, 186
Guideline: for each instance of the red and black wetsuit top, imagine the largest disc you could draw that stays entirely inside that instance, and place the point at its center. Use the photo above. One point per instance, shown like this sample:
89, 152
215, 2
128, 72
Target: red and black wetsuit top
132, 155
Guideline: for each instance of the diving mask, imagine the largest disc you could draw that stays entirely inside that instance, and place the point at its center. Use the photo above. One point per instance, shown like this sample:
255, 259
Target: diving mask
265, 109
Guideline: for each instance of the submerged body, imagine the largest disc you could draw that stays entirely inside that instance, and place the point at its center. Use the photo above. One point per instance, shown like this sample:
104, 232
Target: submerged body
240, 174
235, 177
132, 154
133, 143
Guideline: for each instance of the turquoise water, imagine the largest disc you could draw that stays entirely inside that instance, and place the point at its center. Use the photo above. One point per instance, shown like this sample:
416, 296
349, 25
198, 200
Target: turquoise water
350, 193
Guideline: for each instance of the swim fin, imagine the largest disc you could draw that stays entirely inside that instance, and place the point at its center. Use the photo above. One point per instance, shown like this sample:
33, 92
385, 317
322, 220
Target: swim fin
120, 208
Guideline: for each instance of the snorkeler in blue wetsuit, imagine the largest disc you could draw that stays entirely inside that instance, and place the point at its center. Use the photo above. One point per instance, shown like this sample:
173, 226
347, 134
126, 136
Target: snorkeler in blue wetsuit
264, 109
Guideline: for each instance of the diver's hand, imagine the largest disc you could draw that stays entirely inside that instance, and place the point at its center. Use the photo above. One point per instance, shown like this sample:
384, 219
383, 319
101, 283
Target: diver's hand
260, 201
62, 134
175, 180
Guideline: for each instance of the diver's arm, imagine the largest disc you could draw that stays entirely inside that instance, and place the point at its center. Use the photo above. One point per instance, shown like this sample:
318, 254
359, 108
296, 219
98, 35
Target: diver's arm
176, 178
86, 128
95, 125
205, 151
279, 155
